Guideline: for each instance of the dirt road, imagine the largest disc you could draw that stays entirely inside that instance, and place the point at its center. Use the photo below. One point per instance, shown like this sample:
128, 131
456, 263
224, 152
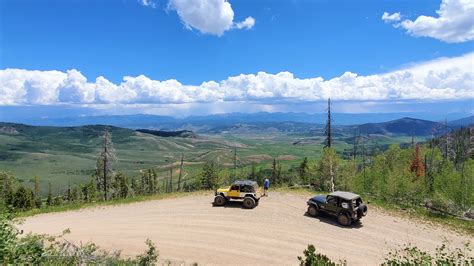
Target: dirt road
190, 229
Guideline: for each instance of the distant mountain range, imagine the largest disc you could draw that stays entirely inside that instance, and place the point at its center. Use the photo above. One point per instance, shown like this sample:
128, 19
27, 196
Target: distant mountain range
257, 124
405, 126
221, 121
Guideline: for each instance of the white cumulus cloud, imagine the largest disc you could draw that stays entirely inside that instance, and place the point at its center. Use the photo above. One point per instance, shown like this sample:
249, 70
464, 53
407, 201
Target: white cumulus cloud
248, 23
454, 23
387, 18
208, 16
440, 79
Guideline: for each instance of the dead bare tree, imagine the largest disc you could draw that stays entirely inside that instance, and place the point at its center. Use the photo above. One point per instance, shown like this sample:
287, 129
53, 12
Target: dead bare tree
104, 171
328, 130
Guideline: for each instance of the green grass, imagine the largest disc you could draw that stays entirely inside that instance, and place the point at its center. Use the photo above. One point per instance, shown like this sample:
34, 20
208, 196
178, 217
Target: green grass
455, 224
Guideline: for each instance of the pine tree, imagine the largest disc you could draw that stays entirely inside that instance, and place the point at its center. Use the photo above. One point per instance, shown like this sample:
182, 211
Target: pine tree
143, 183
180, 172
155, 181
150, 182
89, 190
274, 171
49, 200
171, 180
74, 194
121, 186
68, 192
209, 176
6, 188
302, 169
417, 165
37, 193
24, 198
135, 186
278, 174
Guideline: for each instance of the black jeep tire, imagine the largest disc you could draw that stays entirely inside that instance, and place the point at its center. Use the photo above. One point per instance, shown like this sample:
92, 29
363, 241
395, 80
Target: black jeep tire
219, 200
344, 219
249, 203
313, 210
362, 210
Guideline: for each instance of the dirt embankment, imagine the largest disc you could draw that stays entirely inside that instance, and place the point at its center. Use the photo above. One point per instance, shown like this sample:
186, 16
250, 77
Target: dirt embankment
191, 230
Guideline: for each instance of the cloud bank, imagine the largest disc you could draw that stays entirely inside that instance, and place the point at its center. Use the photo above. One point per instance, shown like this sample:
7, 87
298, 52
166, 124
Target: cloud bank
209, 16
440, 79
454, 23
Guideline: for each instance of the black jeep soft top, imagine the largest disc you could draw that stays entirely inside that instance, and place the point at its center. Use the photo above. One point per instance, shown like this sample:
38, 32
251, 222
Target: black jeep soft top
346, 206
246, 185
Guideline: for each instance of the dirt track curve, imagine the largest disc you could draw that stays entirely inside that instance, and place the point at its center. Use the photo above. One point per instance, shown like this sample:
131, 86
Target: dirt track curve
190, 229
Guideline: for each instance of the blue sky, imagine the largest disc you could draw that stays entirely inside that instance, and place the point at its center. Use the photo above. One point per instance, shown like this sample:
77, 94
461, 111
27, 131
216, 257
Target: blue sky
163, 40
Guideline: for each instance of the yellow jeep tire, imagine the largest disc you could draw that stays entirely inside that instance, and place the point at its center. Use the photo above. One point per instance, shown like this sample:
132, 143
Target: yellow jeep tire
249, 203
219, 200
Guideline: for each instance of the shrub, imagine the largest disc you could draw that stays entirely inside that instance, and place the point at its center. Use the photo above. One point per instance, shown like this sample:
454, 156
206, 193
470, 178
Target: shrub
54, 250
412, 255
311, 258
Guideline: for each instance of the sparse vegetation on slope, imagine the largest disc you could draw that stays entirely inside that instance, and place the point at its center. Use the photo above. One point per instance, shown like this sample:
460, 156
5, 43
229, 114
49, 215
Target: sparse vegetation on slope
18, 249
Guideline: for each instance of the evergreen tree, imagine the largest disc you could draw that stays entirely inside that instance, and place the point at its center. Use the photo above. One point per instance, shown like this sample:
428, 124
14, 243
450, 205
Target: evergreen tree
274, 172
135, 187
155, 181
6, 188
121, 186
278, 174
74, 194
49, 199
150, 182
143, 184
24, 198
209, 176
37, 193
171, 180
68, 196
180, 172
302, 169
89, 191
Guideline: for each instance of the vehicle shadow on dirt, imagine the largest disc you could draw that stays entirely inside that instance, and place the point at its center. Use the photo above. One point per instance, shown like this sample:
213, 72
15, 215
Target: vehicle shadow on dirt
326, 218
232, 204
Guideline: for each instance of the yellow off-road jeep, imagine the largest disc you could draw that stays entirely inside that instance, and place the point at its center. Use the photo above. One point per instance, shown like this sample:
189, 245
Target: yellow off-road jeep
246, 190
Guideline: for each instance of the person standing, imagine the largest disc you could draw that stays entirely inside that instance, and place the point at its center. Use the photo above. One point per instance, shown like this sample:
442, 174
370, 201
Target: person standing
266, 185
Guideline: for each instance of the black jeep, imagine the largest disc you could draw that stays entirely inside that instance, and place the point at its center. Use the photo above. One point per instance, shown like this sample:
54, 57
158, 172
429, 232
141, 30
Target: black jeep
346, 206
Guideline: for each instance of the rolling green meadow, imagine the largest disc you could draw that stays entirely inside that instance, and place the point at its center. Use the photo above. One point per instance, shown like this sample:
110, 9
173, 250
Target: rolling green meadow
66, 156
